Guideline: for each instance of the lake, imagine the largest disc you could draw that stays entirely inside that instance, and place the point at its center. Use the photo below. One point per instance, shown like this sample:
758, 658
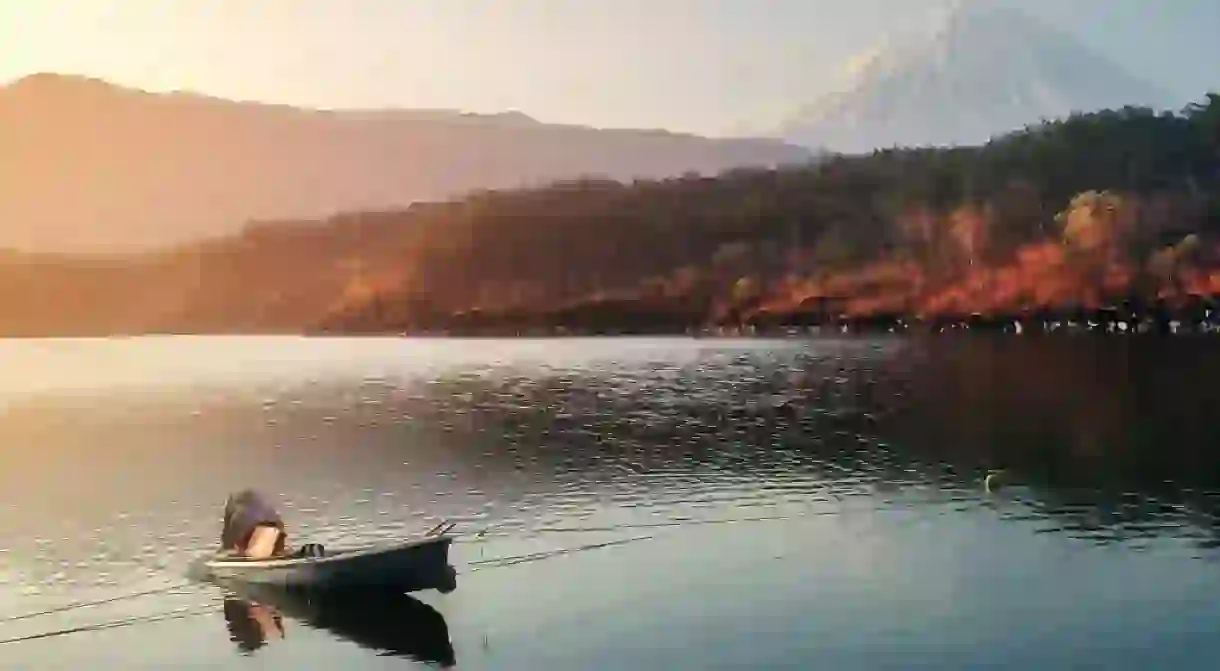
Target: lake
624, 503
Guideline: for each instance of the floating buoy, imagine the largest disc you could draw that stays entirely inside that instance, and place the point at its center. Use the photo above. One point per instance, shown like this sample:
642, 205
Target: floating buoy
992, 480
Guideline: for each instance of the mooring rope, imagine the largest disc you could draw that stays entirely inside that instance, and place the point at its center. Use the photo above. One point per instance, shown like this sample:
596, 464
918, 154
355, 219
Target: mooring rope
478, 537
113, 624
499, 562
477, 565
202, 610
99, 602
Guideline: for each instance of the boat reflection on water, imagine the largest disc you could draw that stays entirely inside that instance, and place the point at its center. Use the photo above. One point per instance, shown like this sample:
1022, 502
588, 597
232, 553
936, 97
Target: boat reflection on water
387, 623
251, 624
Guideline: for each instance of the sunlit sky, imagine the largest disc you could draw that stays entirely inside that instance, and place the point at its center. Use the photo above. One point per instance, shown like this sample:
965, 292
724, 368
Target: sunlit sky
708, 66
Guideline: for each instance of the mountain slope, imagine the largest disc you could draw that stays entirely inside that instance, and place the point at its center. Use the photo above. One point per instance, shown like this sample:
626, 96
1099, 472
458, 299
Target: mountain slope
89, 166
983, 71
904, 232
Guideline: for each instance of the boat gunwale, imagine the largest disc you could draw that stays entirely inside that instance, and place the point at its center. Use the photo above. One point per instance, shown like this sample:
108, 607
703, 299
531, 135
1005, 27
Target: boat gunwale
340, 555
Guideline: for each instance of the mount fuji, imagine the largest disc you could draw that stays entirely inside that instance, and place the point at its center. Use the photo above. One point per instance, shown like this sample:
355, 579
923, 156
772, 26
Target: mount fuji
978, 71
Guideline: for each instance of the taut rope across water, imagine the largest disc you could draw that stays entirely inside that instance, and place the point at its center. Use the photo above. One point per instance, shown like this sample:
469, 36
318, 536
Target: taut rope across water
478, 565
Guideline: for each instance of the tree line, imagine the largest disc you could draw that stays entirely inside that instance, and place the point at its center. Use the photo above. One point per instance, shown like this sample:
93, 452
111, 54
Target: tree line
1090, 211
1083, 212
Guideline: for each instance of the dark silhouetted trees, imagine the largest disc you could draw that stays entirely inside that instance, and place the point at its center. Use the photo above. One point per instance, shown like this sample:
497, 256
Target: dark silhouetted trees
1092, 210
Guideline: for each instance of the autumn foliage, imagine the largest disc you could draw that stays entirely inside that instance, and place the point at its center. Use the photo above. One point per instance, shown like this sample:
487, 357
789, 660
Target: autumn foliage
1073, 214
1093, 261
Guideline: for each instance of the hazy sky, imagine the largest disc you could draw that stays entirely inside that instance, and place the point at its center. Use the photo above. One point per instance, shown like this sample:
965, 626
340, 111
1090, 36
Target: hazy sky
706, 66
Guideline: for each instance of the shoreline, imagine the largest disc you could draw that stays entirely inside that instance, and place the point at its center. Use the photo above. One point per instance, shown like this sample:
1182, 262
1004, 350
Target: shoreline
889, 326
1182, 315
1200, 316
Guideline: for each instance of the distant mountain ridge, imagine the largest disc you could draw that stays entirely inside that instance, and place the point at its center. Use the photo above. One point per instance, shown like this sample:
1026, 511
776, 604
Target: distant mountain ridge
86, 165
979, 71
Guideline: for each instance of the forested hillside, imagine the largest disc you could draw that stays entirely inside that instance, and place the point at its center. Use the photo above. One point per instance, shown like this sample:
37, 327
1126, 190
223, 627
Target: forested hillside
1097, 209
1082, 212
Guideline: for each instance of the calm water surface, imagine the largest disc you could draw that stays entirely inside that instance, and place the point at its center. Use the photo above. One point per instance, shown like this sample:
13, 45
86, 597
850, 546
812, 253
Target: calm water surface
624, 504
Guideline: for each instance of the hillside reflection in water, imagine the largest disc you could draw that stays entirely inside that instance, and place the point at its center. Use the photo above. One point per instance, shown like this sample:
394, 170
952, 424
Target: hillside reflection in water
1105, 440
851, 447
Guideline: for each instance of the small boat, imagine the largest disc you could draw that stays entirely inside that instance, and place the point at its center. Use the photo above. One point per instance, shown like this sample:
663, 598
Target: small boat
412, 565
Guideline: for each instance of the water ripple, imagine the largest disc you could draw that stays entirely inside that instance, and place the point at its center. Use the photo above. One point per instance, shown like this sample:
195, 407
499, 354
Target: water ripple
656, 439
